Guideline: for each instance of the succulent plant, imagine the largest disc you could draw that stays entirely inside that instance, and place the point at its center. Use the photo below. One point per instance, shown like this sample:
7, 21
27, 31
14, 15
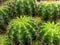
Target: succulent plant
4, 40
48, 11
55, 11
12, 9
49, 34
22, 30
33, 5
41, 9
19, 7
2, 20
27, 7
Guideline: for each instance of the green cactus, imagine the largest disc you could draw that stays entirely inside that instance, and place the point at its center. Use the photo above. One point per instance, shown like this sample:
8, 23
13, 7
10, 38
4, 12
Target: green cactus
2, 20
27, 7
6, 14
4, 40
19, 7
12, 9
41, 9
22, 30
55, 11
49, 34
48, 11
33, 5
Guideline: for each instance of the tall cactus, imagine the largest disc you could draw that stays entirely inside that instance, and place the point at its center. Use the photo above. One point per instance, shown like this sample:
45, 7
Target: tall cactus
49, 34
22, 30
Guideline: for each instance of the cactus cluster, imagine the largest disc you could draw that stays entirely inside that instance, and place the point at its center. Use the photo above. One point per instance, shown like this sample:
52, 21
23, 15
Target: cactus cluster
22, 30
49, 34
4, 40
49, 11
16, 8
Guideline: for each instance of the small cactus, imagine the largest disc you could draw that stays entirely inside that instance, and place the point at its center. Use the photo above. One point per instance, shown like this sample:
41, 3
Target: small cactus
49, 34
22, 30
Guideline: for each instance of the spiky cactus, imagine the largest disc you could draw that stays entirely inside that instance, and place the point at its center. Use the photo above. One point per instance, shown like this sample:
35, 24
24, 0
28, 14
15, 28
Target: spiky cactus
49, 34
22, 30
2, 20
48, 11
15, 8
55, 12
41, 9
33, 5
4, 40
27, 7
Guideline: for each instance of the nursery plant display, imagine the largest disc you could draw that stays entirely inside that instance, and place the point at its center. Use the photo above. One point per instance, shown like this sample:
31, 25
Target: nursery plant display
22, 30
49, 34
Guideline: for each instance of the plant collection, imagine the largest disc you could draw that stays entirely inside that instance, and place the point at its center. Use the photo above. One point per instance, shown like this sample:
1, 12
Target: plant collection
26, 22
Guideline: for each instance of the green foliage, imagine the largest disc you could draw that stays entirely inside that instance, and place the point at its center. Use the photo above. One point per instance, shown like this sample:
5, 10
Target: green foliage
22, 30
49, 34
4, 40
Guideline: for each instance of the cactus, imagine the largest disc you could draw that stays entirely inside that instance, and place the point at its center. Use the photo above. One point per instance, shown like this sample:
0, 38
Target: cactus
55, 11
49, 34
41, 9
27, 7
22, 30
6, 14
4, 40
12, 9
48, 11
33, 5
2, 21
4, 18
